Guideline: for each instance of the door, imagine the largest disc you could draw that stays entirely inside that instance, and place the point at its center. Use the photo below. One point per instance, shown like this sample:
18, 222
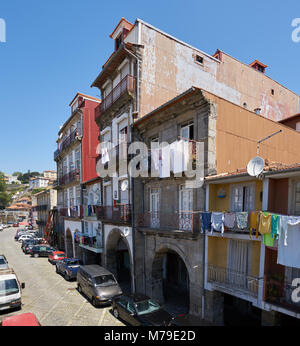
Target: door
185, 209
154, 208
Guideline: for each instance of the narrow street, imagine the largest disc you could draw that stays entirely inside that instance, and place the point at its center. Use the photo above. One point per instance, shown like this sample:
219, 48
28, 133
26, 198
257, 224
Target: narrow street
54, 301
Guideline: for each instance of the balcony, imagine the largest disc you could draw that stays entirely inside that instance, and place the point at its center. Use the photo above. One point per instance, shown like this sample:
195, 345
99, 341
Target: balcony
229, 280
66, 143
279, 292
72, 212
126, 86
117, 214
70, 177
186, 221
92, 243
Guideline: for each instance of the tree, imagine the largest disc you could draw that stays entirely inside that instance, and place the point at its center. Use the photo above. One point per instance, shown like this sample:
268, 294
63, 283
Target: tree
16, 174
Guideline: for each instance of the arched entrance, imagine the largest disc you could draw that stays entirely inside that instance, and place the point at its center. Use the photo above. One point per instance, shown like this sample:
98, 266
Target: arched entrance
119, 260
69, 243
170, 281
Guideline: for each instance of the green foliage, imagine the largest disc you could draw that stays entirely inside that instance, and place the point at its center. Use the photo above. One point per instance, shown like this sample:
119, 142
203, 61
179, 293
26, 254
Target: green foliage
24, 178
34, 191
16, 174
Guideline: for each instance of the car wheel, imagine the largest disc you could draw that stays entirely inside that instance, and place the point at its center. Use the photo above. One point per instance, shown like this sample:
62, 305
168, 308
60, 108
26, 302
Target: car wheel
116, 313
79, 289
36, 255
56, 269
94, 303
67, 277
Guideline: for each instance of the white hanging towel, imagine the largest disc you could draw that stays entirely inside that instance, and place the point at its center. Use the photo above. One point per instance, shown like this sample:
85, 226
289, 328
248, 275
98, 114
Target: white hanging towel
164, 167
155, 159
288, 243
217, 222
181, 156
104, 155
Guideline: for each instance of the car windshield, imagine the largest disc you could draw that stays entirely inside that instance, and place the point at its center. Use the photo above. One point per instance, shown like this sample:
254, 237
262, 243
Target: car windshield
104, 280
146, 307
8, 287
2, 261
73, 263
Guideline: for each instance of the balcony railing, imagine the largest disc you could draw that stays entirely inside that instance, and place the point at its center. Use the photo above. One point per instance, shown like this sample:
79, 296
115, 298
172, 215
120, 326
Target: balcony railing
185, 221
127, 84
280, 293
85, 240
70, 177
119, 214
73, 212
66, 143
232, 280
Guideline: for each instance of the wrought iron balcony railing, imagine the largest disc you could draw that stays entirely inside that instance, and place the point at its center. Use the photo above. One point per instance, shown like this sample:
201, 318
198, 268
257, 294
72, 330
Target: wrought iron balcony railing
184, 220
66, 143
120, 213
70, 177
279, 292
127, 84
73, 212
233, 280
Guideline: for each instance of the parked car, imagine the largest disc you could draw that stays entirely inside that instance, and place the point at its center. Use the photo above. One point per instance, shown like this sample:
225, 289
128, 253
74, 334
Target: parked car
16, 224
3, 262
10, 290
56, 256
1, 228
140, 310
98, 284
26, 242
22, 320
41, 250
28, 248
25, 236
19, 233
68, 267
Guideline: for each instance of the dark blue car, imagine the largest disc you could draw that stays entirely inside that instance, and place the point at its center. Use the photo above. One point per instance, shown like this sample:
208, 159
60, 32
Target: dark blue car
68, 268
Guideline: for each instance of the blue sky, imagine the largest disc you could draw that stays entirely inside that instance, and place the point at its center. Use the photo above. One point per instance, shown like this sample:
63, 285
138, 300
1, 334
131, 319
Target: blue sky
55, 48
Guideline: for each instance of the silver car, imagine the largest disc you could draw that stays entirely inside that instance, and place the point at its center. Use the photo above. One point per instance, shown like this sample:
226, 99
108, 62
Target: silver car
3, 262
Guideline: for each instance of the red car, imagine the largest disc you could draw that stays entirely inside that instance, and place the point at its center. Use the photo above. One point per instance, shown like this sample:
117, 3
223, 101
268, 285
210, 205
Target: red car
16, 224
27, 319
56, 256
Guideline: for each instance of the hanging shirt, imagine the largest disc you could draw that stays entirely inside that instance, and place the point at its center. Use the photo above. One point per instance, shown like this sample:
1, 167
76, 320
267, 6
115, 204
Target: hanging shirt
288, 251
242, 220
229, 220
265, 223
268, 239
217, 222
275, 226
254, 222
206, 222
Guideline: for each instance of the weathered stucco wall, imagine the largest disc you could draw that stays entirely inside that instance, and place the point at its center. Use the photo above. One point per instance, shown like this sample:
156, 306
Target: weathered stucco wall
255, 89
238, 131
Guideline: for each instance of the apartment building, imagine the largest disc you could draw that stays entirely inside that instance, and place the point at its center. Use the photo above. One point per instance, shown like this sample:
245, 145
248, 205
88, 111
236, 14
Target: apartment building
76, 161
148, 69
45, 201
51, 175
38, 182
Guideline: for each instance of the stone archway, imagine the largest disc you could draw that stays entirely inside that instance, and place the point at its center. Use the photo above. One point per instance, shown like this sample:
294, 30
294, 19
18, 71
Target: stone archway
119, 259
171, 278
69, 243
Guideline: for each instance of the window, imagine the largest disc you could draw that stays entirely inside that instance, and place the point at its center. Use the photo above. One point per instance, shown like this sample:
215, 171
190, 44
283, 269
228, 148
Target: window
199, 59
297, 198
257, 111
243, 197
187, 131
118, 41
77, 159
272, 91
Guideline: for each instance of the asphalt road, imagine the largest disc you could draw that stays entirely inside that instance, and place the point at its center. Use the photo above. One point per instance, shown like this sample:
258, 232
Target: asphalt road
54, 301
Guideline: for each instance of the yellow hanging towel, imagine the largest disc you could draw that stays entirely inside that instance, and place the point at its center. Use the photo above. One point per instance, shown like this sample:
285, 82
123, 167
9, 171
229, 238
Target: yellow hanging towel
265, 223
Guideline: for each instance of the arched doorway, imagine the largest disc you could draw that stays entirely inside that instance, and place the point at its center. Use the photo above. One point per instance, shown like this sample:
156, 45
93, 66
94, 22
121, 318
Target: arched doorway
69, 243
119, 260
170, 281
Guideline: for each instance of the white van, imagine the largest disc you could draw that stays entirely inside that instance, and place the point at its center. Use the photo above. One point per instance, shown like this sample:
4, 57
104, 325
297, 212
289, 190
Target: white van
10, 290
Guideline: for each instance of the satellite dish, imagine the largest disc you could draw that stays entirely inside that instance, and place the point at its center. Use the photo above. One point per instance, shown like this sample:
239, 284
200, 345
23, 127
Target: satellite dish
124, 185
256, 166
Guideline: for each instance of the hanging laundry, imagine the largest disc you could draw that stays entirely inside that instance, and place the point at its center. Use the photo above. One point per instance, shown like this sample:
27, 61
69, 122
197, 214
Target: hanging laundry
288, 249
217, 222
254, 222
206, 222
229, 220
242, 220
275, 226
268, 239
104, 156
265, 223
283, 227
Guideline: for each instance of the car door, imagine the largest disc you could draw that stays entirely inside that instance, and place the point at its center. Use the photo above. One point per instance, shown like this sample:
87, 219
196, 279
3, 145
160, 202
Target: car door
131, 313
122, 307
